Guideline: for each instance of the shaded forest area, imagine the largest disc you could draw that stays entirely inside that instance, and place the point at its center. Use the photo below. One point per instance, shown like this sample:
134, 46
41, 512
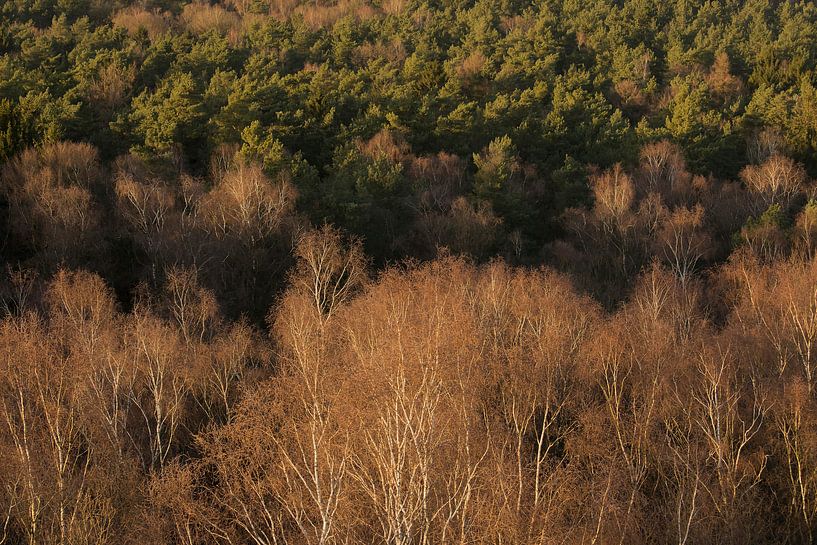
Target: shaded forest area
403, 273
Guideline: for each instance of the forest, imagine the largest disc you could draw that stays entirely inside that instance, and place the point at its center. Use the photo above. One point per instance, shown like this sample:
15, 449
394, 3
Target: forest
408, 272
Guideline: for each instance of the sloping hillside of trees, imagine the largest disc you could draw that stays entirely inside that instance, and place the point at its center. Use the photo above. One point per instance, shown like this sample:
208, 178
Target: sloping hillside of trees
395, 272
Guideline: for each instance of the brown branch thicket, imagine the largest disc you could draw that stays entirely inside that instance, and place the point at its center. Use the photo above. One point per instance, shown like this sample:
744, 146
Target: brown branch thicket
135, 19
439, 403
775, 181
660, 388
53, 195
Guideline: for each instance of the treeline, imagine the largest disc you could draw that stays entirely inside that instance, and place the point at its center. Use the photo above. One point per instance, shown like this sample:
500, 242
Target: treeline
237, 228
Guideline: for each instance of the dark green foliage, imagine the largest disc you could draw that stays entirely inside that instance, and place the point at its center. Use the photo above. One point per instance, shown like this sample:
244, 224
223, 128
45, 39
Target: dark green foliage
15, 134
571, 84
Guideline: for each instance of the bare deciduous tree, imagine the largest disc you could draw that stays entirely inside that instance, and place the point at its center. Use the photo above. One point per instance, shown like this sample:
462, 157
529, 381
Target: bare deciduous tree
328, 270
776, 181
683, 241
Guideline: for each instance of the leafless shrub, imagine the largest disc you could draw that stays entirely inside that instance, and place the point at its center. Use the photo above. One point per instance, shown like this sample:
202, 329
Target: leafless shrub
134, 19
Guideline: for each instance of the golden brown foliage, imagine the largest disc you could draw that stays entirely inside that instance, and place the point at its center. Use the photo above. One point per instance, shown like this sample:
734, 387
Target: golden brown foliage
51, 192
442, 402
134, 19
776, 181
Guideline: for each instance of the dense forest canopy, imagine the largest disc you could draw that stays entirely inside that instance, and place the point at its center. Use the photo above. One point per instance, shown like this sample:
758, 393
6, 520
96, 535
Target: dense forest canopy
506, 104
408, 273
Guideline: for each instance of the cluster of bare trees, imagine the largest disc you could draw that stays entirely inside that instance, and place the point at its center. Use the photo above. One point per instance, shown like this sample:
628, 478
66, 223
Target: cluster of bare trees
436, 403
444, 403
53, 197
136, 222
94, 400
661, 212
